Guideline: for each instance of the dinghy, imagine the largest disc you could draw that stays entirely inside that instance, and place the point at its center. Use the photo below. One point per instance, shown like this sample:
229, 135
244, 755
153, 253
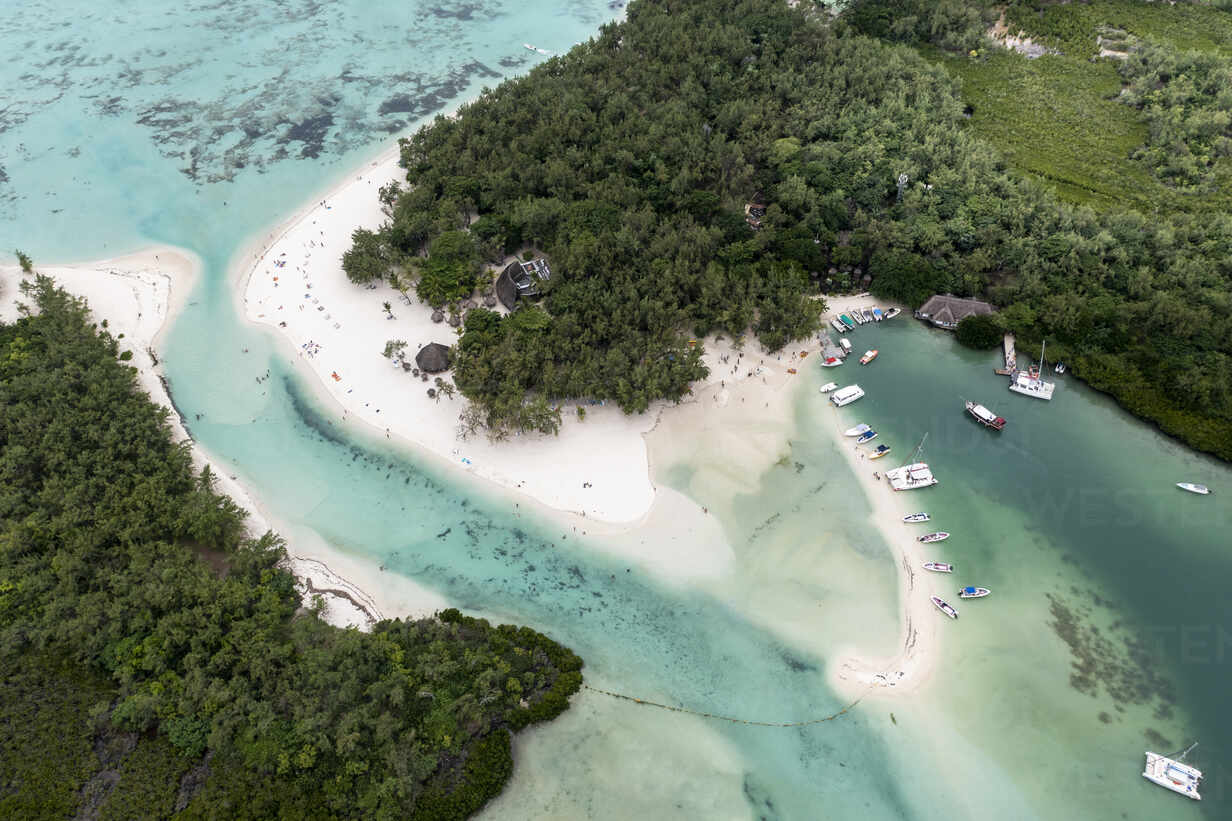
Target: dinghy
917, 517
939, 536
1192, 488
829, 386
943, 607
939, 567
858, 430
973, 592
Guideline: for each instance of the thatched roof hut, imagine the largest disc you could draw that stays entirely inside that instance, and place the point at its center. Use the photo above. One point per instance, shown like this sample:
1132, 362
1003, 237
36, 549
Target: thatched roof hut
947, 310
433, 358
506, 291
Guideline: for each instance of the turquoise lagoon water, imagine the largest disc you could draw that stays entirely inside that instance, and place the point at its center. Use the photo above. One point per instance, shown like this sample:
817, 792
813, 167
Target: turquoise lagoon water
201, 125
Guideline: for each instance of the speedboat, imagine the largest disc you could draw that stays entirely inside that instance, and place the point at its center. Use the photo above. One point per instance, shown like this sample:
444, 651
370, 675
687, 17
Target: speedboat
939, 536
838, 326
881, 450
892, 312
868, 314
1173, 775
985, 417
846, 320
943, 607
869, 356
867, 436
973, 592
829, 386
939, 567
830, 362
857, 316
858, 430
1060, 368
917, 517
877, 315
845, 344
847, 395
1202, 490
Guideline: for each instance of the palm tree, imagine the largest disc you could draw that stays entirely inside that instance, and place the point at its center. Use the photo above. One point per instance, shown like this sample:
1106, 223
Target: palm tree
388, 309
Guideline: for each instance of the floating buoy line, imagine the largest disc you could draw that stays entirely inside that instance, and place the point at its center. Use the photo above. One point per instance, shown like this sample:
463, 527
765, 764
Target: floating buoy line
717, 717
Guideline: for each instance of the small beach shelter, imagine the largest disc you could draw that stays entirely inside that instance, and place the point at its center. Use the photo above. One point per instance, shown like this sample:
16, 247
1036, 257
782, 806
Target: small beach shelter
433, 358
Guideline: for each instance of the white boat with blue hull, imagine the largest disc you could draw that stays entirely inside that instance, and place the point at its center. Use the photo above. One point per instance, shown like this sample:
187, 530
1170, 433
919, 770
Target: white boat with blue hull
867, 436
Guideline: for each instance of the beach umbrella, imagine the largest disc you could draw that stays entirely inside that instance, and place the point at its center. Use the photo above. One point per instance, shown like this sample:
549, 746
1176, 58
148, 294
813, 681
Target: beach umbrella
433, 358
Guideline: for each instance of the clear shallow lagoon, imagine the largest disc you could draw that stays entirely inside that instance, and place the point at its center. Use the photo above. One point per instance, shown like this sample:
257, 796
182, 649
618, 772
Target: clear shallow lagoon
203, 125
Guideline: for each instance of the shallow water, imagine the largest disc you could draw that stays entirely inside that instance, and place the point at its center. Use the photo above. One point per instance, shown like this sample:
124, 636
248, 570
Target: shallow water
1108, 629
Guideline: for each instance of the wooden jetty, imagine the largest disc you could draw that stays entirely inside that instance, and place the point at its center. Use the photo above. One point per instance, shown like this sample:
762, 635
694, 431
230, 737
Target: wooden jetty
1011, 358
830, 349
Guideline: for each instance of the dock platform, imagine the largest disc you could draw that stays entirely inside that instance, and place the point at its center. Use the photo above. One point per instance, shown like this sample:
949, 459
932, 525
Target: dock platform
830, 348
1011, 358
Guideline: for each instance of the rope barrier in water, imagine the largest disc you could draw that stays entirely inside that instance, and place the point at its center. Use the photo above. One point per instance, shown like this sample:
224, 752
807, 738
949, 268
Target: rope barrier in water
675, 709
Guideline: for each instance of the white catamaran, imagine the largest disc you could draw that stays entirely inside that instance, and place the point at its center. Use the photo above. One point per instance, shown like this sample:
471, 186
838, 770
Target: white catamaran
1030, 383
914, 474
1171, 774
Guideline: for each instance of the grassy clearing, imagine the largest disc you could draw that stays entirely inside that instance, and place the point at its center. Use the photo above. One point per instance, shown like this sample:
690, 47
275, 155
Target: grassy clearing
1057, 117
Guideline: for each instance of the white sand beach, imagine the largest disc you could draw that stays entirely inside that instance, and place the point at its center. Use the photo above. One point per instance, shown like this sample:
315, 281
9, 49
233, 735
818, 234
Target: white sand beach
138, 295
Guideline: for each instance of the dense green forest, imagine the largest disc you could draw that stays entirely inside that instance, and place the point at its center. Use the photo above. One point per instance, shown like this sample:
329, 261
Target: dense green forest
629, 162
158, 660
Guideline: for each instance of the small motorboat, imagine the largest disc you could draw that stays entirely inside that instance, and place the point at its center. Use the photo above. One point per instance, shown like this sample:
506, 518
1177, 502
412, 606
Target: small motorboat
858, 430
881, 450
829, 386
830, 362
845, 344
838, 326
973, 592
877, 315
867, 436
892, 312
917, 517
869, 356
939, 536
1202, 490
1060, 368
939, 567
943, 607
857, 316
846, 320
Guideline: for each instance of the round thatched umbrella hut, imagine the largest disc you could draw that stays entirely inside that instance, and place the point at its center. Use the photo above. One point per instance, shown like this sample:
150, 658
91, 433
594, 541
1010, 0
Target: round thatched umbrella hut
506, 291
433, 358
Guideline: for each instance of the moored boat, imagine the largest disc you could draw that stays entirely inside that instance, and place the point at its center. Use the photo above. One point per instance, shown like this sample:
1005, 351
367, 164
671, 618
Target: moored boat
857, 430
984, 416
914, 475
1060, 368
847, 395
1202, 490
916, 517
892, 312
830, 362
857, 316
939, 567
973, 592
877, 315
829, 386
838, 326
943, 607
881, 450
846, 320
939, 536
867, 314
1030, 383
867, 436
845, 344
869, 356
1171, 774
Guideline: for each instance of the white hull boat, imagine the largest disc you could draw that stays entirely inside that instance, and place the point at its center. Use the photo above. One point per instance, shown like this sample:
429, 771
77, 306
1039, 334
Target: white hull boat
845, 344
858, 430
917, 517
1202, 490
943, 607
881, 450
1173, 775
830, 362
893, 312
973, 592
838, 326
939, 536
1031, 383
829, 386
847, 395
877, 315
939, 567
868, 315
867, 436
869, 356
911, 477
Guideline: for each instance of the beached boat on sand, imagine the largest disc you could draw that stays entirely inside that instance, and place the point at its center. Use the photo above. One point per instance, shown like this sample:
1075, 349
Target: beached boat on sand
916, 517
939, 536
939, 567
1202, 490
847, 395
943, 607
973, 592
867, 436
881, 450
1171, 774
867, 314
913, 475
857, 316
830, 362
985, 417
829, 386
869, 356
877, 315
858, 430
